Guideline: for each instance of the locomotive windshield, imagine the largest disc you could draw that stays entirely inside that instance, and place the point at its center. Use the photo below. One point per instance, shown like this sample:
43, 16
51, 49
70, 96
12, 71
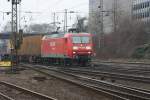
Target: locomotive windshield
80, 39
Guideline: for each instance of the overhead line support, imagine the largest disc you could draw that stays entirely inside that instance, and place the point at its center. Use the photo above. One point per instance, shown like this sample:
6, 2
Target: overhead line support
14, 29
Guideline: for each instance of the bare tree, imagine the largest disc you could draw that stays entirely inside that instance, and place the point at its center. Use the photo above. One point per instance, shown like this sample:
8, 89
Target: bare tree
40, 28
81, 26
7, 27
94, 28
128, 34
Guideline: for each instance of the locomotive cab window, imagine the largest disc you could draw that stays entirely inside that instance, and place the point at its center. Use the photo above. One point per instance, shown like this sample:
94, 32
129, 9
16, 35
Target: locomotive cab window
80, 39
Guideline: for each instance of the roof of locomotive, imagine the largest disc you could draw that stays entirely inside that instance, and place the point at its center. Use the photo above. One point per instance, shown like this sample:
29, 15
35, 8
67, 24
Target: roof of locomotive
58, 35
62, 35
77, 34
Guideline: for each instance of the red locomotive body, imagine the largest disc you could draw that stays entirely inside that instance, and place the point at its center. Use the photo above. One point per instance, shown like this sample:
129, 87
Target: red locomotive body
77, 46
57, 48
53, 47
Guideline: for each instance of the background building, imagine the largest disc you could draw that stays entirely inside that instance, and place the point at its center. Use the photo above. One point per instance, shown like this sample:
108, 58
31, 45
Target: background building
141, 10
113, 10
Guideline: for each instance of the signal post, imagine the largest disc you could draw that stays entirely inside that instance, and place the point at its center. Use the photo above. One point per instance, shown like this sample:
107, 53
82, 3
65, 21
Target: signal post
15, 36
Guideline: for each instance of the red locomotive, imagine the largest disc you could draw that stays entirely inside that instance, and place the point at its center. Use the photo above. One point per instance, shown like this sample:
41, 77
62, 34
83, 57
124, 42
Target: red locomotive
58, 48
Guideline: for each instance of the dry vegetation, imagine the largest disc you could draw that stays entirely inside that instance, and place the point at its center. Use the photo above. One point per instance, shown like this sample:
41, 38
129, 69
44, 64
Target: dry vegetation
128, 36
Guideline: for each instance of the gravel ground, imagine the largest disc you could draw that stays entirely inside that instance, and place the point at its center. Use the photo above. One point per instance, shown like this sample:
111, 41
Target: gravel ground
18, 95
50, 86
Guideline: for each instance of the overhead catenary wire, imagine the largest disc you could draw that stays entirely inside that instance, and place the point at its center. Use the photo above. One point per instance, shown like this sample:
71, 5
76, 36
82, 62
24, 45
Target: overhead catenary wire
58, 2
76, 6
79, 5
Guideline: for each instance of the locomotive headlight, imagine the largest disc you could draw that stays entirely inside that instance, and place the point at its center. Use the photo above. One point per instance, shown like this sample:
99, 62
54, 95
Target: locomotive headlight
88, 48
75, 48
89, 52
74, 52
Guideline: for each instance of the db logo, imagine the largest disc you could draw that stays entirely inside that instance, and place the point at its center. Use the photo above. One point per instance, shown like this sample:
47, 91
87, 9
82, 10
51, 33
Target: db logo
52, 44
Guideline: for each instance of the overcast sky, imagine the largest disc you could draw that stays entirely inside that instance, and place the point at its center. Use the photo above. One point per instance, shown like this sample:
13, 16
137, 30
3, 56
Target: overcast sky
42, 10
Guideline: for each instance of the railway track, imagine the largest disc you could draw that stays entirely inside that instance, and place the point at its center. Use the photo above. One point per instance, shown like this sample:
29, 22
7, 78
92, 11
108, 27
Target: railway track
127, 68
120, 92
123, 62
9, 91
109, 75
5, 97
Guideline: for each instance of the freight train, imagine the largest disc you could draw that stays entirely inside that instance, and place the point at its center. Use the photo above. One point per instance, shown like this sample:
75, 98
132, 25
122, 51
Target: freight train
59, 48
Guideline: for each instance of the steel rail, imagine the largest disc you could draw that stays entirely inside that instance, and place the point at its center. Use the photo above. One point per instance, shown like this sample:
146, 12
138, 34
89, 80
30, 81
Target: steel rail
127, 93
36, 94
123, 69
84, 85
118, 62
6, 97
110, 75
